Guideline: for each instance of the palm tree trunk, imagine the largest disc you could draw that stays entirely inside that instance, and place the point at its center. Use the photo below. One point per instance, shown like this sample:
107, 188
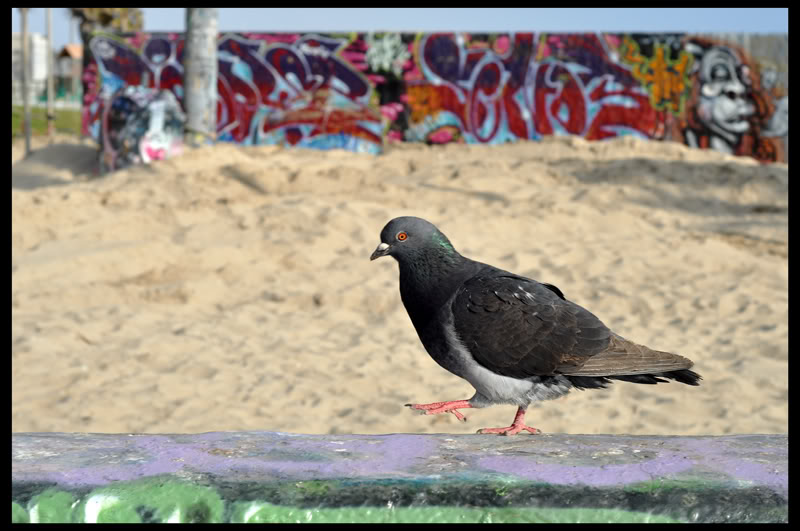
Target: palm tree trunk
200, 75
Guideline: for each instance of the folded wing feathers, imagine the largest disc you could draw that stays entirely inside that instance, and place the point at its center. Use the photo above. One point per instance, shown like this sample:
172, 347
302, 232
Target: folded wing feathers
623, 357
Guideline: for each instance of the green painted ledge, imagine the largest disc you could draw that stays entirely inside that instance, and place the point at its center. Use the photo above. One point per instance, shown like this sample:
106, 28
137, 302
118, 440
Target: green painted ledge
286, 477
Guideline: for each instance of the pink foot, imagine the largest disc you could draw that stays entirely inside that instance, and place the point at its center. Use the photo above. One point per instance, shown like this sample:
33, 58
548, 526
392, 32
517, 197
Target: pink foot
511, 430
443, 407
517, 426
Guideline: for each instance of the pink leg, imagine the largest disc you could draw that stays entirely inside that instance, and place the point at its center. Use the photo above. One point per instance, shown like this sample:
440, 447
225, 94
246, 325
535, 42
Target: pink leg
517, 426
443, 407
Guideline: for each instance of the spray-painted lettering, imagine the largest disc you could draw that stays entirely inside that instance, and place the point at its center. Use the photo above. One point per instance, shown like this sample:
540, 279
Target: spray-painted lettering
358, 91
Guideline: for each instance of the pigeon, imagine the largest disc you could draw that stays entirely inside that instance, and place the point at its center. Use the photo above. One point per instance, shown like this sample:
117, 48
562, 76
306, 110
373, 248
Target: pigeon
515, 340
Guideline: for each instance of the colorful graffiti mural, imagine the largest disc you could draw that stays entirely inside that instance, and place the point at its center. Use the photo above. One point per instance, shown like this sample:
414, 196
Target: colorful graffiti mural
307, 90
139, 125
498, 89
359, 91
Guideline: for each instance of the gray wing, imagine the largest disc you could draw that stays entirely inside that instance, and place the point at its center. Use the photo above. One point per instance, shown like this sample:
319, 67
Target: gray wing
517, 327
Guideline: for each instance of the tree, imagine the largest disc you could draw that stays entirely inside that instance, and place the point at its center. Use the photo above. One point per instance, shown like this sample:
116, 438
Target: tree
121, 19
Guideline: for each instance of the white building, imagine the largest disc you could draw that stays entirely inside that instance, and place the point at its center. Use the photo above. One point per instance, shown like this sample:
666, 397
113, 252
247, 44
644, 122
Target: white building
37, 50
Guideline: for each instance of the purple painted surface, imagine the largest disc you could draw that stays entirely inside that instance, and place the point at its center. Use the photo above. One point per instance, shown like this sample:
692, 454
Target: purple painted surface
592, 460
361, 457
745, 465
603, 476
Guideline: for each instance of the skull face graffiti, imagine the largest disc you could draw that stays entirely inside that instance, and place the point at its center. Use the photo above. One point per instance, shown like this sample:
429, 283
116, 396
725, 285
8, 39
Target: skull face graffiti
728, 109
725, 104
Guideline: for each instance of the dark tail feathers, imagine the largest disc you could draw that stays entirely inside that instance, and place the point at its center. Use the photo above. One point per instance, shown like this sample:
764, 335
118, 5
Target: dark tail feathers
594, 382
683, 376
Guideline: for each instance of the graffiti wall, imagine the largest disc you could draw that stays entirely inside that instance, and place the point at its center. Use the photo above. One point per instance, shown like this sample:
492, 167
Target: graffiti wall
140, 125
360, 91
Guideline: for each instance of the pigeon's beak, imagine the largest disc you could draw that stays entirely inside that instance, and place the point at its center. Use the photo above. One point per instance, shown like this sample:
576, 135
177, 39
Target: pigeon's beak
382, 250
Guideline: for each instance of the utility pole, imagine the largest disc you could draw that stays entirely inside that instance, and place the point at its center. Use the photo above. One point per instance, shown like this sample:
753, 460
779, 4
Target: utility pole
26, 108
51, 116
200, 75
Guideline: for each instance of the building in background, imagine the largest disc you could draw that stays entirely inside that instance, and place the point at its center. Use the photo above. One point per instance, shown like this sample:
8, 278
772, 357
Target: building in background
38, 67
68, 66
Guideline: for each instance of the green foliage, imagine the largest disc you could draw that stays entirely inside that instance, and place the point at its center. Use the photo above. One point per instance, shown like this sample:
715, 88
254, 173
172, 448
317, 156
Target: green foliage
118, 18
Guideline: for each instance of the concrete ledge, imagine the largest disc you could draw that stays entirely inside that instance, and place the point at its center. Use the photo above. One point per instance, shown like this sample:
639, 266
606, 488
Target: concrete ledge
284, 477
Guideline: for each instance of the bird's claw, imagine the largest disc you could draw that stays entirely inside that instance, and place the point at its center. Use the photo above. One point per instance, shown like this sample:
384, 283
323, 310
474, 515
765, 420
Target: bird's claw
458, 415
510, 430
436, 408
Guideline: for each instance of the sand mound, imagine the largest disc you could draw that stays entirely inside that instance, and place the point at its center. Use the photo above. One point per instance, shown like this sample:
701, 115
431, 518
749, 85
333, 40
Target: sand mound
230, 288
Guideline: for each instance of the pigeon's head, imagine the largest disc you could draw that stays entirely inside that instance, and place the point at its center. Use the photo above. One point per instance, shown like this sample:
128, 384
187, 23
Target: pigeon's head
407, 237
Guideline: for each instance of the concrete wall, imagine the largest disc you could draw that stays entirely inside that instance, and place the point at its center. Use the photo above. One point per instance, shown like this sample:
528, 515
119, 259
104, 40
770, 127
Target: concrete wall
359, 91
289, 477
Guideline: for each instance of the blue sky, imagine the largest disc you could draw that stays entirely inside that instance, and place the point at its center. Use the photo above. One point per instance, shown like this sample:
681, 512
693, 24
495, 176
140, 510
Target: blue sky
700, 20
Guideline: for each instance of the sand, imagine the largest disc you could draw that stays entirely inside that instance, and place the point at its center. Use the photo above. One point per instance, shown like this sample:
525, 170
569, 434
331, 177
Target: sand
230, 288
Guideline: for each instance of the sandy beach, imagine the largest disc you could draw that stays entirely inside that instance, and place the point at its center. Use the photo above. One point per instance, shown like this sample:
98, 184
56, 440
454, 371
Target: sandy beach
230, 288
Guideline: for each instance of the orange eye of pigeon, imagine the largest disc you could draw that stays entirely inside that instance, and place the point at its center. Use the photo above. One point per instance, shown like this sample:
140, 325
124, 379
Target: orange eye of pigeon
402, 236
